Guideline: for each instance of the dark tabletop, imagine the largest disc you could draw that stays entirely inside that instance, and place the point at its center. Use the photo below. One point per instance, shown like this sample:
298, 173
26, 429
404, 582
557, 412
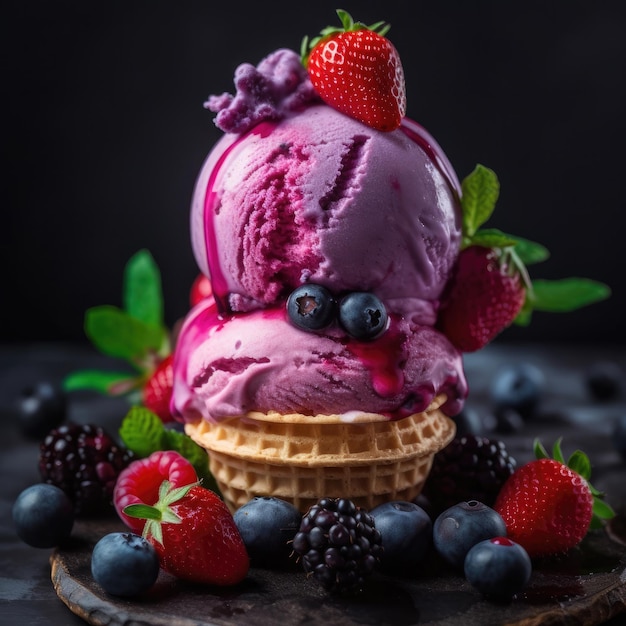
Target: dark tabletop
26, 592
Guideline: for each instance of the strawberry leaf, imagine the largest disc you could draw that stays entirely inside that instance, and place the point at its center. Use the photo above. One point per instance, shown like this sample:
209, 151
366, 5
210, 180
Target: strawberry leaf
480, 191
579, 462
142, 432
567, 294
602, 510
540, 451
492, 238
143, 511
530, 252
143, 297
116, 333
109, 383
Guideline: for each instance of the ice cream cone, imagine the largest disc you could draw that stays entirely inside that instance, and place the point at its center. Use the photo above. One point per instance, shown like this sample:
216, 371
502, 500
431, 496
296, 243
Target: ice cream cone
301, 458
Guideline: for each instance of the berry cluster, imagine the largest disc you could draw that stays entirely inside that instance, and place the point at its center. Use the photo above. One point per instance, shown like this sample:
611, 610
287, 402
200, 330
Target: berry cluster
339, 544
84, 461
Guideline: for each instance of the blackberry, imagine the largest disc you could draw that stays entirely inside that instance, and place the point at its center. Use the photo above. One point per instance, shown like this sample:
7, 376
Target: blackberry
339, 544
84, 461
468, 468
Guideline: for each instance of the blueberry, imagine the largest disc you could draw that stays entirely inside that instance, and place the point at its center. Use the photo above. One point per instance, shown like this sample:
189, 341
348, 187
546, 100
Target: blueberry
604, 380
268, 526
462, 526
40, 408
362, 315
43, 516
124, 564
406, 531
498, 567
518, 387
311, 307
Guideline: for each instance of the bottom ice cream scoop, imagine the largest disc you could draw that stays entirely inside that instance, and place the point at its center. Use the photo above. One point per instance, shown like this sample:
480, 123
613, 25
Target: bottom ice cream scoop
259, 361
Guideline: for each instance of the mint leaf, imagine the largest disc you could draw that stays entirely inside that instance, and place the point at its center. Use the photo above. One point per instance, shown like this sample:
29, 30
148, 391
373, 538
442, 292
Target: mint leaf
492, 238
195, 454
142, 432
480, 191
143, 296
567, 294
115, 333
528, 251
108, 383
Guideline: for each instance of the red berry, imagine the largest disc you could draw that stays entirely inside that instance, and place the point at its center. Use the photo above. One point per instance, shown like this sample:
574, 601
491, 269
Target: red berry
546, 506
484, 297
139, 483
157, 392
200, 289
358, 72
195, 536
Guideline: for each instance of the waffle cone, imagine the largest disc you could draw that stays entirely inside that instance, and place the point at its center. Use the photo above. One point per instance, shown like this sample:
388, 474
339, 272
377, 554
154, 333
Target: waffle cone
302, 458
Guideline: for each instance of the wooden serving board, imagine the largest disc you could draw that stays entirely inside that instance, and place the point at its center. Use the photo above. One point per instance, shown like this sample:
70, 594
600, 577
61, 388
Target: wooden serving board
588, 586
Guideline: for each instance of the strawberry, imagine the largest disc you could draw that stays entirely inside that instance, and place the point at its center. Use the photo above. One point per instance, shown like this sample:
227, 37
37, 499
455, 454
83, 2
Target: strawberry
486, 295
157, 391
139, 483
491, 288
194, 535
548, 504
200, 289
357, 70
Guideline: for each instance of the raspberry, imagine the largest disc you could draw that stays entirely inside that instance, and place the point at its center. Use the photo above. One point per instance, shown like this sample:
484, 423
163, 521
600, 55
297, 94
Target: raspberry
339, 544
84, 461
139, 483
468, 468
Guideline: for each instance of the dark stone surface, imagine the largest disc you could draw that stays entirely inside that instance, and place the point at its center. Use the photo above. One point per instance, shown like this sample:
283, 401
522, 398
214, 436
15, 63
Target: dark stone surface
588, 586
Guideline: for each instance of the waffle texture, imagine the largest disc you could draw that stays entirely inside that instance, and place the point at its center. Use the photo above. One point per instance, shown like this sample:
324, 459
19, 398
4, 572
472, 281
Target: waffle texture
303, 458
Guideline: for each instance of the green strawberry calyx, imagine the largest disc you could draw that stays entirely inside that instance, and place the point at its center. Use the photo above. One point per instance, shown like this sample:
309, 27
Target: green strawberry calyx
479, 194
579, 462
161, 512
134, 333
347, 25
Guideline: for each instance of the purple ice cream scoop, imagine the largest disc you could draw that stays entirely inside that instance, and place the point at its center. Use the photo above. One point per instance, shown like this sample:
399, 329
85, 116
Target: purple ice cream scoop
303, 194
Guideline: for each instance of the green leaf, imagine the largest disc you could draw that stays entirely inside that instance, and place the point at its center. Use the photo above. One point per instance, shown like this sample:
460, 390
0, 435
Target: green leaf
567, 294
143, 511
196, 455
540, 451
143, 296
108, 383
579, 462
142, 431
602, 510
491, 238
480, 191
530, 252
116, 333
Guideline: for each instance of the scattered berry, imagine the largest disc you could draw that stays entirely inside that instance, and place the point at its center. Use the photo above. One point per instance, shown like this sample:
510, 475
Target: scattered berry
362, 315
267, 526
356, 70
499, 568
406, 532
339, 544
124, 564
311, 307
518, 387
139, 483
201, 289
604, 380
157, 392
468, 468
485, 295
84, 461
548, 505
43, 516
462, 526
40, 408
194, 535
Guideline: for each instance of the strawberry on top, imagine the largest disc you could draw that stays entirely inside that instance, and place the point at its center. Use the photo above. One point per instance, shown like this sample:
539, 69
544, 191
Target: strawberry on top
357, 70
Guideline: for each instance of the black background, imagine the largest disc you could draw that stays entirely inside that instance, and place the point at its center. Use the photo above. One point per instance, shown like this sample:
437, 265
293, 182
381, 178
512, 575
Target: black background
104, 134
